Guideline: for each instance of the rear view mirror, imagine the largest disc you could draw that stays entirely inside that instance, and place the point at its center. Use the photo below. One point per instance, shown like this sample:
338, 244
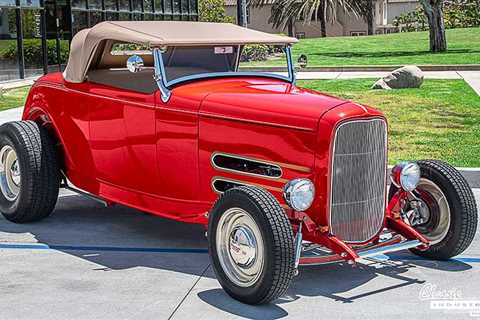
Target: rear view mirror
302, 61
134, 63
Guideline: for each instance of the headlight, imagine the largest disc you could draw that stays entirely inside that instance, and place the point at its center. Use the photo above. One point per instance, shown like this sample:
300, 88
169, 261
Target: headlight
299, 194
406, 175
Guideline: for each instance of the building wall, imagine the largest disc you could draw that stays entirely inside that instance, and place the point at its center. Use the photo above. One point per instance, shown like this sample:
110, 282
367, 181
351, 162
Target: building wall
70, 16
351, 23
346, 23
396, 8
258, 18
313, 30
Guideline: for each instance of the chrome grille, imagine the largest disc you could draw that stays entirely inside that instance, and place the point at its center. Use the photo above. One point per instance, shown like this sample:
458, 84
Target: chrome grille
358, 180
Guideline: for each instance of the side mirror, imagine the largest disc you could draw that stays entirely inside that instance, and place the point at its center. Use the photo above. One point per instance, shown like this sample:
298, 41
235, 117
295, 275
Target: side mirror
302, 61
134, 63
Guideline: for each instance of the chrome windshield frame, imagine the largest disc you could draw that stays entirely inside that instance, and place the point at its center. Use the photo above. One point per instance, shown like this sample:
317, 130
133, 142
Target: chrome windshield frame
160, 75
164, 85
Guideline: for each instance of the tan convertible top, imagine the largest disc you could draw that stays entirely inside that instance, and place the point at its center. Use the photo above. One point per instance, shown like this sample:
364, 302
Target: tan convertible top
159, 33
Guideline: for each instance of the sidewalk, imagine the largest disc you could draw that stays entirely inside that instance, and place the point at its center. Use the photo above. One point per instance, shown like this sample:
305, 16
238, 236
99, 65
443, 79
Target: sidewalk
374, 74
470, 77
17, 83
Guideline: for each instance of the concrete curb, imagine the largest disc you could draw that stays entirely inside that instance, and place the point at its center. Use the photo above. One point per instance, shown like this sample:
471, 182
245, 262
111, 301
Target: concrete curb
459, 67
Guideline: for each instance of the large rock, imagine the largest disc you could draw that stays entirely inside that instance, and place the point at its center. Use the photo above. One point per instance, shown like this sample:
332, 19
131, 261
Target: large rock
406, 77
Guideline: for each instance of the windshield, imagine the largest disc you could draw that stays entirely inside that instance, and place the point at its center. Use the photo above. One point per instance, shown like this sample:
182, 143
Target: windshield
189, 63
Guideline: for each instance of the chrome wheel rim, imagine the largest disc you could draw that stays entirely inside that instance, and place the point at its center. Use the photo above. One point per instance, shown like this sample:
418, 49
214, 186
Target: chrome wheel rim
10, 175
240, 247
439, 212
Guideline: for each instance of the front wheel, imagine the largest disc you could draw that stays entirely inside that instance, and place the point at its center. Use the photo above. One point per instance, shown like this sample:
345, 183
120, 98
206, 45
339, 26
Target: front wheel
251, 245
447, 212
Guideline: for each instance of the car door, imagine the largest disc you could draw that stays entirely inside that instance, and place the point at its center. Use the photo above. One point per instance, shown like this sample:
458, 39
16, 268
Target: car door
177, 145
122, 136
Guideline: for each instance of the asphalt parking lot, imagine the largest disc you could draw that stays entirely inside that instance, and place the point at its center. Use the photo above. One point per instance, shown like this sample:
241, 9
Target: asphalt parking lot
91, 262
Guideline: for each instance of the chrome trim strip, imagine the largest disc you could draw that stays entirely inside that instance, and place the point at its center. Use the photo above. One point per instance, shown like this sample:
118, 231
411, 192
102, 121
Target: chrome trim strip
221, 116
214, 154
290, 78
280, 164
252, 184
395, 247
237, 59
231, 74
290, 64
332, 167
160, 76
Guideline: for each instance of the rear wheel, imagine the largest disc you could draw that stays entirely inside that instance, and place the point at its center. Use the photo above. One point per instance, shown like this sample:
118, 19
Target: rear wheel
447, 212
251, 245
29, 172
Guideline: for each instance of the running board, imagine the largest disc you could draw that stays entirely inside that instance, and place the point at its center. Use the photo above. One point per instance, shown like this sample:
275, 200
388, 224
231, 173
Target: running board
65, 185
392, 248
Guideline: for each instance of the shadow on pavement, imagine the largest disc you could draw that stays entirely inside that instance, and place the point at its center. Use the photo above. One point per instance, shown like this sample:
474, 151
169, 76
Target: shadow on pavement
81, 222
334, 281
220, 300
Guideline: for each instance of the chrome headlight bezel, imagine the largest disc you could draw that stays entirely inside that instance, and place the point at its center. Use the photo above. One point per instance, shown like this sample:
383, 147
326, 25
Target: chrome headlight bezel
299, 194
406, 175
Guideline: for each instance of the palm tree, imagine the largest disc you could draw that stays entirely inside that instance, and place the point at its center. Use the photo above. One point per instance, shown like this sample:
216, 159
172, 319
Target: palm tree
285, 12
365, 9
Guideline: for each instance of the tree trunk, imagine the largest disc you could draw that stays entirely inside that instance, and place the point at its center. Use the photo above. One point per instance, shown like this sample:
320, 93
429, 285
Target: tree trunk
290, 27
242, 13
434, 12
369, 16
322, 10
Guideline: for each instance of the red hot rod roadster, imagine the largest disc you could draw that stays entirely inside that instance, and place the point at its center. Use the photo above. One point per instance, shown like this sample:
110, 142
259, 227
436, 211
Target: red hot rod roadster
158, 116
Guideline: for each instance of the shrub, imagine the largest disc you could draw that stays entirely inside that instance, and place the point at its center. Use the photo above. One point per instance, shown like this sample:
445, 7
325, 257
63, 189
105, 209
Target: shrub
412, 21
457, 14
33, 53
256, 52
213, 11
462, 13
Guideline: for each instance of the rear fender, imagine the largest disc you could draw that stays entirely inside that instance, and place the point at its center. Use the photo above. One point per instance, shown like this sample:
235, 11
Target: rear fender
67, 124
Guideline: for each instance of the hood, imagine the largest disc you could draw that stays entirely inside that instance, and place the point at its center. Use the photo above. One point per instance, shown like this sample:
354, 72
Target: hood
266, 101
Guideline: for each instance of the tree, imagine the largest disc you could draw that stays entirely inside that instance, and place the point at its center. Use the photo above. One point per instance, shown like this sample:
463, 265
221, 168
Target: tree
365, 8
286, 11
434, 12
213, 11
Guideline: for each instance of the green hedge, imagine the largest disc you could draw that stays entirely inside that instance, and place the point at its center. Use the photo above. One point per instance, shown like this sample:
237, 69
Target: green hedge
33, 53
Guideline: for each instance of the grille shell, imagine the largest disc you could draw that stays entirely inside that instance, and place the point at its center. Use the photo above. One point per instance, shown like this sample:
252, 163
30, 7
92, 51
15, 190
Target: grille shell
358, 179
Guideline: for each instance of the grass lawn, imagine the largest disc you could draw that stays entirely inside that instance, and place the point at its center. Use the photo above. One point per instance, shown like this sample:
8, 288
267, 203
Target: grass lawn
13, 98
389, 49
441, 120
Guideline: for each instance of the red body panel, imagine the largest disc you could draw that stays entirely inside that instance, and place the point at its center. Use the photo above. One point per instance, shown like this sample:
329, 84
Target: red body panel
134, 149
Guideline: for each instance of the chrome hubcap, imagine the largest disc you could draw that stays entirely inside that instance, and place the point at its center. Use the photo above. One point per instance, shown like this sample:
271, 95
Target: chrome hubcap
240, 247
434, 210
10, 176
243, 248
